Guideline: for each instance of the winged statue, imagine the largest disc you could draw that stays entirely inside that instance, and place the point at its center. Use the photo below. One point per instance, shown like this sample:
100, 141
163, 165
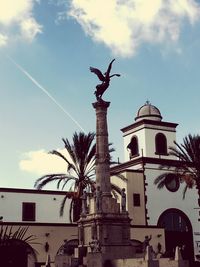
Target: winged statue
104, 78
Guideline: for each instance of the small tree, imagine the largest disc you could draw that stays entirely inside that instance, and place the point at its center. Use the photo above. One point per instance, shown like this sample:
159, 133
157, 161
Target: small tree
188, 171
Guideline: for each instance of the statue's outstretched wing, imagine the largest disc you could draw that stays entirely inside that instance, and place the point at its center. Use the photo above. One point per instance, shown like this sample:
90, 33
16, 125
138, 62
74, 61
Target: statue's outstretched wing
98, 73
109, 69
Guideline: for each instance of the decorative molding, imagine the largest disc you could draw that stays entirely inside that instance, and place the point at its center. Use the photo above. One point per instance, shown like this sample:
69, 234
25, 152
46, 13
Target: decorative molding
144, 160
150, 122
32, 191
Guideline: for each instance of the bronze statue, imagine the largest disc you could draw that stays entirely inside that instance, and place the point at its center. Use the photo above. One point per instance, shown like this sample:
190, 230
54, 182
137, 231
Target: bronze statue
105, 78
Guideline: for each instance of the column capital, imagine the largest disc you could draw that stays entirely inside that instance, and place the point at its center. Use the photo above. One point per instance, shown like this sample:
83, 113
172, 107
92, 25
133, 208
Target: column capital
101, 104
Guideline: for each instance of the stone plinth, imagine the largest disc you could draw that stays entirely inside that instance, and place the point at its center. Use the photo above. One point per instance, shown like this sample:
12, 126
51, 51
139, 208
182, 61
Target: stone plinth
107, 237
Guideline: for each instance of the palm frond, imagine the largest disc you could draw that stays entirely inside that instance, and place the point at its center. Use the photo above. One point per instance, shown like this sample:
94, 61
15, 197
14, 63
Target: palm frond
63, 205
49, 178
160, 180
116, 188
67, 180
184, 191
7, 234
71, 210
57, 153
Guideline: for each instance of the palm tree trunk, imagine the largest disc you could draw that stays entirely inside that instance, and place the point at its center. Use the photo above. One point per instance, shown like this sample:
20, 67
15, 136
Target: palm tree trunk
77, 209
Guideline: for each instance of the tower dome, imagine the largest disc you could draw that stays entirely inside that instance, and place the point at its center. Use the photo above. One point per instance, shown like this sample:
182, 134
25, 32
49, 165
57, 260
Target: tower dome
149, 112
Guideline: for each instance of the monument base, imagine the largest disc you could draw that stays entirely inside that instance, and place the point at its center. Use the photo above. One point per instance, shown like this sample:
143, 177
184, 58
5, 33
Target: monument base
106, 236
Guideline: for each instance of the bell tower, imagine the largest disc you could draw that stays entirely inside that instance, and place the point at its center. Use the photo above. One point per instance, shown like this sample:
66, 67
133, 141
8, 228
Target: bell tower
148, 136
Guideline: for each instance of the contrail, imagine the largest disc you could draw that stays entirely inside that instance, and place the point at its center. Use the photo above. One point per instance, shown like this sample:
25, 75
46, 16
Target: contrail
46, 92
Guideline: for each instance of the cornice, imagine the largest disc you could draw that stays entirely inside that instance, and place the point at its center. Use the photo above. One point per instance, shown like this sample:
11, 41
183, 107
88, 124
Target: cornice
32, 191
150, 122
144, 160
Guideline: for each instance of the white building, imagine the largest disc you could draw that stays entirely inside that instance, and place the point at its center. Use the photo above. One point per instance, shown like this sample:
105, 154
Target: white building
35, 206
39, 211
146, 144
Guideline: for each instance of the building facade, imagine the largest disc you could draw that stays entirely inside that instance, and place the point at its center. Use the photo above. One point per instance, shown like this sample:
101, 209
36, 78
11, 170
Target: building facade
146, 152
35, 214
162, 214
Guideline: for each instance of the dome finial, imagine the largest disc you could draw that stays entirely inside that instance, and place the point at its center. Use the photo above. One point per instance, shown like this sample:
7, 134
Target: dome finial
148, 102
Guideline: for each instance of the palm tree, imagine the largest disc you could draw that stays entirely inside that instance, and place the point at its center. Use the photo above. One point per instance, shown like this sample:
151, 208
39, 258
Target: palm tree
80, 171
188, 170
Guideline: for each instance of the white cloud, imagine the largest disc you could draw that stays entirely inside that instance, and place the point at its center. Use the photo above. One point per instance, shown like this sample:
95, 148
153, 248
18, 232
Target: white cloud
30, 28
3, 39
17, 20
41, 162
123, 25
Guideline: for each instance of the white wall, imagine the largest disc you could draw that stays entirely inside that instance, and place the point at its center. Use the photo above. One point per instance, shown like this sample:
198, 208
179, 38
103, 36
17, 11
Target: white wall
47, 207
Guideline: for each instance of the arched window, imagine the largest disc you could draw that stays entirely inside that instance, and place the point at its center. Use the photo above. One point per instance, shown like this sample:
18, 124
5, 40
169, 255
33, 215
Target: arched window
133, 146
161, 144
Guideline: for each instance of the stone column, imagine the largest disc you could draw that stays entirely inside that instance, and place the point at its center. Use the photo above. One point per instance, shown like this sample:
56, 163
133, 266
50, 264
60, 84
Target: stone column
102, 151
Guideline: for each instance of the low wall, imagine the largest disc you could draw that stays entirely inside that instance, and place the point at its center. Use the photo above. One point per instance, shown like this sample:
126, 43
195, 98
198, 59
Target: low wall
164, 262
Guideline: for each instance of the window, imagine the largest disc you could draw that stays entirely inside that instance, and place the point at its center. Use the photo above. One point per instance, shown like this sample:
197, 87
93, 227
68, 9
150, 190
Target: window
136, 200
172, 182
161, 144
133, 146
28, 211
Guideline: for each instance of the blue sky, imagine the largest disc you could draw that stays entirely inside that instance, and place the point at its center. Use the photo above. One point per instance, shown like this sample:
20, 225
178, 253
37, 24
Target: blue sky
157, 51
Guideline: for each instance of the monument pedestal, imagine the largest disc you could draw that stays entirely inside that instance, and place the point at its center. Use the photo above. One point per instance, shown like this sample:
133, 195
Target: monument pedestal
106, 236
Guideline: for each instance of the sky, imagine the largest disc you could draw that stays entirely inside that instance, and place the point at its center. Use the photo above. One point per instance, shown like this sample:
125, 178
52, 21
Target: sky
47, 90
